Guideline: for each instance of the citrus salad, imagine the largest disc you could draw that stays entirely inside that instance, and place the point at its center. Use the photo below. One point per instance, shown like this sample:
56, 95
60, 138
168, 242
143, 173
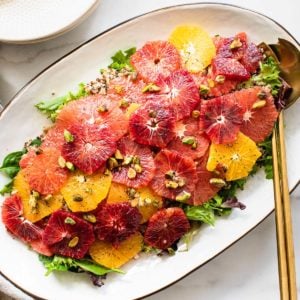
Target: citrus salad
138, 158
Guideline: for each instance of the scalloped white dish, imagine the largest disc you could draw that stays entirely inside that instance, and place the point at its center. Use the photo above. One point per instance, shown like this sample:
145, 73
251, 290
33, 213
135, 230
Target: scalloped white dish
21, 121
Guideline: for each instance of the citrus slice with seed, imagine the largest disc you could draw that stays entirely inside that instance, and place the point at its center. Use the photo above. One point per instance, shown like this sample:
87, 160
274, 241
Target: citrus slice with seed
155, 58
44, 174
195, 46
35, 207
84, 192
260, 112
143, 198
107, 255
237, 158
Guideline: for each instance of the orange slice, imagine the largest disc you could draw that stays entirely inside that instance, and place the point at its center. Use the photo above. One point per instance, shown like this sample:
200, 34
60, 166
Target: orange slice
35, 208
131, 109
195, 46
84, 192
109, 256
238, 158
143, 198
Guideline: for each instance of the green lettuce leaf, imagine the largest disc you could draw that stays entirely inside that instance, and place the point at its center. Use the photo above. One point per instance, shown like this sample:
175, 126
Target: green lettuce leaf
121, 59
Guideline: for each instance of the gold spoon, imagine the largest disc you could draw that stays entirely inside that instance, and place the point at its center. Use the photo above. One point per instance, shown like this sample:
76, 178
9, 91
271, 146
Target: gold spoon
288, 57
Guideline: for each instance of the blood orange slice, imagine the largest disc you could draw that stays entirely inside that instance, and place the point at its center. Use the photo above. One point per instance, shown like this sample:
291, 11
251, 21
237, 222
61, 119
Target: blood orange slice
68, 235
221, 119
136, 169
152, 124
98, 110
27, 159
260, 112
174, 176
44, 174
90, 148
156, 58
54, 138
179, 92
165, 227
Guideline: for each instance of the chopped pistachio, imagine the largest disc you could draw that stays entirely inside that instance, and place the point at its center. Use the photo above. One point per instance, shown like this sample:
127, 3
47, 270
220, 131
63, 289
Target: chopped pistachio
220, 78
188, 140
127, 160
171, 251
262, 95
181, 182
131, 173
211, 83
107, 172
48, 197
259, 104
204, 89
138, 168
218, 182
33, 202
80, 178
141, 202
148, 201
136, 160
134, 202
195, 114
170, 184
74, 241
236, 43
151, 87
70, 221
69, 138
70, 166
90, 218
183, 196
124, 103
118, 155
112, 163
61, 162
102, 109
77, 198
119, 89
195, 144
35, 194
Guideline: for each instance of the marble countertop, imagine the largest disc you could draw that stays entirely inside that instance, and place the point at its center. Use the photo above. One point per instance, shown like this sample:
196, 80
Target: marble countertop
247, 270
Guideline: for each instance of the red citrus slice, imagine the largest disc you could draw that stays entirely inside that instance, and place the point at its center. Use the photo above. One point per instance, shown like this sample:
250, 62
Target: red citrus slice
165, 227
152, 124
189, 141
90, 148
44, 174
54, 138
156, 58
174, 176
14, 221
116, 222
68, 235
221, 119
27, 159
230, 68
260, 112
137, 166
98, 110
251, 58
180, 92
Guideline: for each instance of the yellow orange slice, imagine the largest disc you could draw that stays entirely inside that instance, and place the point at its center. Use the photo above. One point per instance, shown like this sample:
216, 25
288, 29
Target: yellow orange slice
35, 208
143, 198
84, 192
109, 256
195, 47
237, 158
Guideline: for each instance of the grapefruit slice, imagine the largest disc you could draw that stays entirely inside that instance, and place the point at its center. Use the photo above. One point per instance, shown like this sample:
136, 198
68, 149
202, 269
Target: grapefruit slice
175, 176
107, 255
44, 174
90, 148
156, 58
220, 119
137, 166
35, 208
54, 138
96, 109
237, 158
152, 124
68, 235
179, 92
84, 192
165, 227
195, 46
260, 112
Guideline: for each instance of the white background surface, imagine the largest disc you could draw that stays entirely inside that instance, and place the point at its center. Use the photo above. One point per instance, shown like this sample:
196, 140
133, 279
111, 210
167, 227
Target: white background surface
248, 270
